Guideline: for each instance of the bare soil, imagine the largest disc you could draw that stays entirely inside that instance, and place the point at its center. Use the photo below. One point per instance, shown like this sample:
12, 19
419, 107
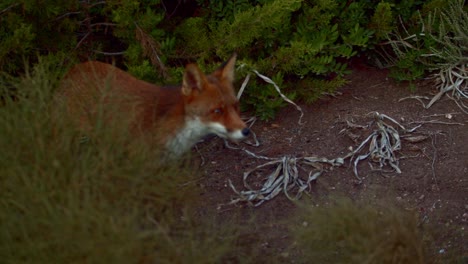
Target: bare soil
433, 181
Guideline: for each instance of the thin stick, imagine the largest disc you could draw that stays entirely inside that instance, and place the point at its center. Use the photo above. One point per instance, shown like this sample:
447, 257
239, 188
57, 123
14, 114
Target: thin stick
434, 157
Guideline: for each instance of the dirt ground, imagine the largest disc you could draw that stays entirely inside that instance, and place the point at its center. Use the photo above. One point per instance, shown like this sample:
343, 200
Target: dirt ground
434, 172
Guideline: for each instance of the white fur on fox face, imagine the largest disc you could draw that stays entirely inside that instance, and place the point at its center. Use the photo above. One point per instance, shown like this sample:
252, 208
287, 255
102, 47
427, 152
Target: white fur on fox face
222, 132
218, 129
236, 135
188, 136
194, 130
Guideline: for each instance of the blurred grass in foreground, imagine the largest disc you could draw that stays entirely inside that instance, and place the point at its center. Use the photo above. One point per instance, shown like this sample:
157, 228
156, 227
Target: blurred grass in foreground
359, 232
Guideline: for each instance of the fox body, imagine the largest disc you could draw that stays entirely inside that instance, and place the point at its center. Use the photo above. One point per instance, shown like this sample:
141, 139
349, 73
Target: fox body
178, 116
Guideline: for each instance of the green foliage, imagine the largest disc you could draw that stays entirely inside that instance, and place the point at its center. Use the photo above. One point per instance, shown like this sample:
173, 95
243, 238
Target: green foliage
249, 26
74, 27
266, 99
26, 30
289, 40
310, 90
226, 9
407, 67
15, 42
382, 20
137, 27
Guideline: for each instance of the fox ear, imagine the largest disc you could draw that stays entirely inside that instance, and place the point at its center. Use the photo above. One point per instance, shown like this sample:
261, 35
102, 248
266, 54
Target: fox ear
193, 79
227, 69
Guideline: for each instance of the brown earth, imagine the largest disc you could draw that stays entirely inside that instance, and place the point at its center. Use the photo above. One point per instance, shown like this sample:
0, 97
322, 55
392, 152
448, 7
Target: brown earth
433, 181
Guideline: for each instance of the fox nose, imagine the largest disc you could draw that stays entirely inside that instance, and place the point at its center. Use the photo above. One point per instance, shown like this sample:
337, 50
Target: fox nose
245, 131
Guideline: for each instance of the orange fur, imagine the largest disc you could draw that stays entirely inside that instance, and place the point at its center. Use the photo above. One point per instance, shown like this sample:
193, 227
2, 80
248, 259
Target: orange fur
178, 116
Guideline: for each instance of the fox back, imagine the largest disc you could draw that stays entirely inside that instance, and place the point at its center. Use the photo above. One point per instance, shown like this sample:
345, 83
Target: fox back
177, 116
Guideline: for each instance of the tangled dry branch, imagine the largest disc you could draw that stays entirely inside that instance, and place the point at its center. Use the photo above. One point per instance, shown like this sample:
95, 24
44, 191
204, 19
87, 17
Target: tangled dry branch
293, 175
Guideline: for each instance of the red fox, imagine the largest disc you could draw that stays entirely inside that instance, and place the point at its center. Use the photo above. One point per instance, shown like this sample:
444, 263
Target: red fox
179, 116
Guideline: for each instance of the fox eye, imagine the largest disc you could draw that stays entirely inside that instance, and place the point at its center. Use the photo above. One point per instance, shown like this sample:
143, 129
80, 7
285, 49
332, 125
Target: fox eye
218, 111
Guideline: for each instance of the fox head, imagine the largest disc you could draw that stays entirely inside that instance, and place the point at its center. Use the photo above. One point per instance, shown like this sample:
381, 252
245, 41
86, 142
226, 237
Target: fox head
211, 103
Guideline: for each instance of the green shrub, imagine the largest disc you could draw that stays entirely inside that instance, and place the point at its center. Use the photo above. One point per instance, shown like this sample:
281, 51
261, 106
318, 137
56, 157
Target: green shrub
27, 30
288, 40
